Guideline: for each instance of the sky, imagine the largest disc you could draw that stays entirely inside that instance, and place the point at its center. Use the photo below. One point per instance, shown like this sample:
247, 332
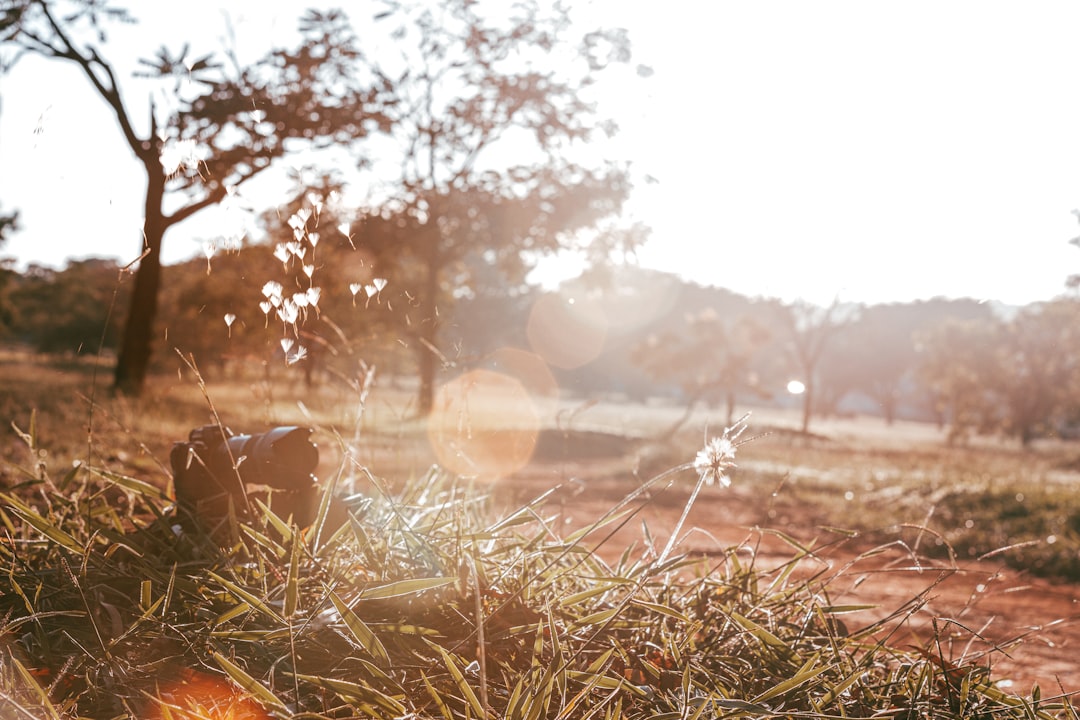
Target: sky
861, 151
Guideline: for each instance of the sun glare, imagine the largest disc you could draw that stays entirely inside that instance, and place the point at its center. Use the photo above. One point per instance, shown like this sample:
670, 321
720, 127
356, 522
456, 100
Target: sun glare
796, 387
483, 424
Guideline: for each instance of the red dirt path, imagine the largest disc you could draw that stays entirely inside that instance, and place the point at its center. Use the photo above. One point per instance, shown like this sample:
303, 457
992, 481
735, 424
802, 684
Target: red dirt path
1026, 629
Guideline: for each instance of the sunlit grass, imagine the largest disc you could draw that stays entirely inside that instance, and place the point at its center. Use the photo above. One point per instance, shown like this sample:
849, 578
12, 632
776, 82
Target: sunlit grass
422, 600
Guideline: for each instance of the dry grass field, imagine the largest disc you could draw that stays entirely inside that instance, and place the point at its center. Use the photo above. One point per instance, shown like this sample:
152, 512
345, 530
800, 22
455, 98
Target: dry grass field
972, 549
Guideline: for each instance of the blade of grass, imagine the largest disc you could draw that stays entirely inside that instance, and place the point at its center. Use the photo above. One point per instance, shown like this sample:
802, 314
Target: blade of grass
41, 696
246, 596
360, 631
459, 679
259, 691
292, 587
350, 691
42, 525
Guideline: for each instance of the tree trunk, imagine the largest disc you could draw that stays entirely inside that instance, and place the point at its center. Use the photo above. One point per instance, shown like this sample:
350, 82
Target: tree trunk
428, 335
135, 348
427, 366
808, 398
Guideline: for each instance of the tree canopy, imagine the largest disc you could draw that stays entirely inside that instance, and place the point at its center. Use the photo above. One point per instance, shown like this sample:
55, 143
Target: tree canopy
490, 111
223, 123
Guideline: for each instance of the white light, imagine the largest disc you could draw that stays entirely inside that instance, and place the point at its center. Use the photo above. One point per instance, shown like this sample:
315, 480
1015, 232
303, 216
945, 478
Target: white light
796, 388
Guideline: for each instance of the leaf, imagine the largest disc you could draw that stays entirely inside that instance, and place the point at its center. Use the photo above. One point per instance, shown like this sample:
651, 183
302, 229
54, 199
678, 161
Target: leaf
404, 587
246, 596
354, 692
363, 634
32, 684
805, 675
762, 634
661, 610
253, 686
292, 589
43, 526
462, 683
443, 707
597, 618
138, 486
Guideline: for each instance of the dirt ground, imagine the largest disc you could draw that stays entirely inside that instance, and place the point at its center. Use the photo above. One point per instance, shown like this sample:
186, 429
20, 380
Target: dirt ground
1025, 629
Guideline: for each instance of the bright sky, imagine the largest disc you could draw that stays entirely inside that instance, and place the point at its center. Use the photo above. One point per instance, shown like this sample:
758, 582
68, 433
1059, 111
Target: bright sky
867, 150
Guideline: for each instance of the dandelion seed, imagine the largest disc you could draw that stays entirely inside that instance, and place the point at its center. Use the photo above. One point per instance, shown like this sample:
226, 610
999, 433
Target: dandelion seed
313, 238
229, 319
272, 289
711, 464
379, 284
209, 247
296, 249
712, 461
355, 288
313, 295
287, 344
281, 253
300, 354
309, 270
300, 299
288, 312
343, 228
266, 306
178, 154
299, 219
371, 290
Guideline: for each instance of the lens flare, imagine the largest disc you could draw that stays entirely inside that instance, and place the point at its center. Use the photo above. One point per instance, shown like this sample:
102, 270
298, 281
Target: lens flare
566, 332
196, 695
527, 368
483, 424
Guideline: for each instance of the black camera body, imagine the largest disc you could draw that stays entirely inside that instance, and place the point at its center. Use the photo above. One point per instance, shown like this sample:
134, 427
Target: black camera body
214, 470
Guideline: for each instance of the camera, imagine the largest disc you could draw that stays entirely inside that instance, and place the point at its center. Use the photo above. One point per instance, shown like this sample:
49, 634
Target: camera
214, 470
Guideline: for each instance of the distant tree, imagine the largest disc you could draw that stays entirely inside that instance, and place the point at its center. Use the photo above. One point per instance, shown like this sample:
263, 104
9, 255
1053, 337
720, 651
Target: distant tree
490, 109
67, 311
8, 225
213, 316
713, 356
1020, 377
877, 353
1038, 364
957, 358
228, 125
809, 329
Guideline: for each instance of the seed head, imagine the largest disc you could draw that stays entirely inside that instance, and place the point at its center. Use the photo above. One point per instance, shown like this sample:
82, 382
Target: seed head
718, 456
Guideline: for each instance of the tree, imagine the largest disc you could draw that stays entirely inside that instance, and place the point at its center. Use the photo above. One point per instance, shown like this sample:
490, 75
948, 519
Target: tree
956, 362
713, 355
66, 311
8, 224
1020, 377
474, 92
228, 125
876, 354
1038, 364
810, 328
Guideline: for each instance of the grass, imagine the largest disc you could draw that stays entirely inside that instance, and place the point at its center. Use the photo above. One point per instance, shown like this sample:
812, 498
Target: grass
1018, 506
417, 600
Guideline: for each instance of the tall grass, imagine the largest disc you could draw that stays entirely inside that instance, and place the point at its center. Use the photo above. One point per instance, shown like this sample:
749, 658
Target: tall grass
419, 602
